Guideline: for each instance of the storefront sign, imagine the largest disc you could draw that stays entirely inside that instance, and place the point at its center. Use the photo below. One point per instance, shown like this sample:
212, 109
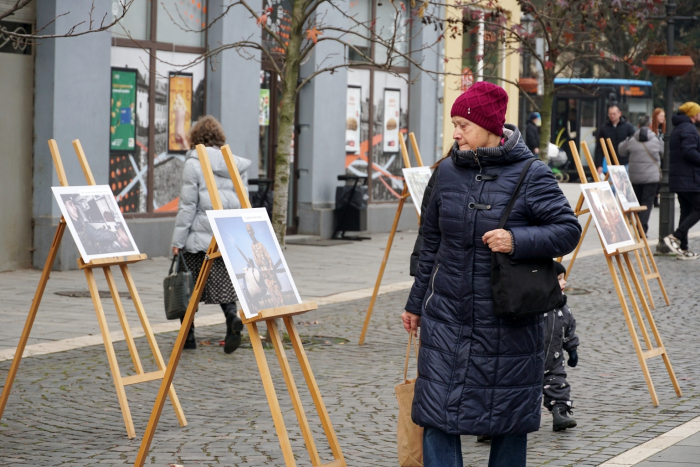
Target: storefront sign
392, 119
123, 110
352, 123
179, 111
264, 107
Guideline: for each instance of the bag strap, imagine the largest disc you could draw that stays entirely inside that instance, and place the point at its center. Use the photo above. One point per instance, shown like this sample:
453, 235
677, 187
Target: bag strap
172, 264
514, 197
651, 157
181, 261
408, 355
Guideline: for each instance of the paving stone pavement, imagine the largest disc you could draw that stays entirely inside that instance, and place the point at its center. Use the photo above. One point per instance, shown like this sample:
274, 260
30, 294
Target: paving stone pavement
63, 409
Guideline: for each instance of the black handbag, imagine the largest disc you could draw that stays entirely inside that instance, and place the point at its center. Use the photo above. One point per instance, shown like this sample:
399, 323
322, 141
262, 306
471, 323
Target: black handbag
177, 288
527, 288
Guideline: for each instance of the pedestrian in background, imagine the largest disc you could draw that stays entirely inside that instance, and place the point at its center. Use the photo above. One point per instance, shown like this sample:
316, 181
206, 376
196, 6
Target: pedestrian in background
618, 129
559, 336
658, 122
193, 232
479, 374
644, 151
532, 133
684, 176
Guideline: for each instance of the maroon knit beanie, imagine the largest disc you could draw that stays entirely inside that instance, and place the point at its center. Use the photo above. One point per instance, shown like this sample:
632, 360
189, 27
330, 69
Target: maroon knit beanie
485, 104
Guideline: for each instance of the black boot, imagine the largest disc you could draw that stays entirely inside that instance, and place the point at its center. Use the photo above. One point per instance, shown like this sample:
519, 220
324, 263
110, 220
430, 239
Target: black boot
234, 326
562, 421
190, 342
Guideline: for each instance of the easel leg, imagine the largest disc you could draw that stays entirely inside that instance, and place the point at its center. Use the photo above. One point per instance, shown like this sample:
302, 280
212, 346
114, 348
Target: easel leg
633, 333
313, 388
167, 381
271, 395
642, 262
123, 321
111, 356
657, 336
578, 247
630, 293
394, 227
650, 255
293, 392
32, 314
151, 338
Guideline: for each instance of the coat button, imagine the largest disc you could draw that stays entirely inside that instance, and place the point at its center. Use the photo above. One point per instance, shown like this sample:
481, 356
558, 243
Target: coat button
471, 205
479, 177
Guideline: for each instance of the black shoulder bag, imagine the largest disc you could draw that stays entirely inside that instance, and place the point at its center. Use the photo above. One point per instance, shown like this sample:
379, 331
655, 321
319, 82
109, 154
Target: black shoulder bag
177, 288
527, 288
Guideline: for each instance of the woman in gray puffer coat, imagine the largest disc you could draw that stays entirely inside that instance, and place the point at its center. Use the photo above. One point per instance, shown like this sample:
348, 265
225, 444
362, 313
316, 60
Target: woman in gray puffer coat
193, 232
644, 150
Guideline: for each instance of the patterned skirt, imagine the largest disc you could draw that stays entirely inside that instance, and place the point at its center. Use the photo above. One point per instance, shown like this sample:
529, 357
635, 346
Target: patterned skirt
218, 288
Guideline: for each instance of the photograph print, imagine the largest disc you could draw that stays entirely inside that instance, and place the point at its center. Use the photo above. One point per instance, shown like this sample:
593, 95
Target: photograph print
253, 257
607, 215
417, 179
95, 221
623, 186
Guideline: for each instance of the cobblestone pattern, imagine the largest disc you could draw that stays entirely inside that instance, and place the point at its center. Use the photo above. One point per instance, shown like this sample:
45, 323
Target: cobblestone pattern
64, 411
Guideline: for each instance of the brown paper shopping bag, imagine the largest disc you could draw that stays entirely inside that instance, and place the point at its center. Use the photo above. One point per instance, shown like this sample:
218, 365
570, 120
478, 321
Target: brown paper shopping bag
408, 435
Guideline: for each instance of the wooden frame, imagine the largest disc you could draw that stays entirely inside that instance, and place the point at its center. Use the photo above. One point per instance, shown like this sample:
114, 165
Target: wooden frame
645, 260
269, 316
630, 280
105, 263
394, 227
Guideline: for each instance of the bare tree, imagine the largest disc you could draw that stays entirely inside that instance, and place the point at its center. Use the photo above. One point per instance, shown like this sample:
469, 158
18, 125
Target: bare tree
310, 25
89, 25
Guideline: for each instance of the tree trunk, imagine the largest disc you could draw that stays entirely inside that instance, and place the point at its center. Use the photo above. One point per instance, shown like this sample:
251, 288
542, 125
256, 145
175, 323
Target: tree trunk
285, 132
546, 116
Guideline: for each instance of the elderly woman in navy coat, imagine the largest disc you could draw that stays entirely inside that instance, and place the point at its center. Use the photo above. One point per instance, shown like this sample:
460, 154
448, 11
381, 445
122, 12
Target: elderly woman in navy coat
478, 374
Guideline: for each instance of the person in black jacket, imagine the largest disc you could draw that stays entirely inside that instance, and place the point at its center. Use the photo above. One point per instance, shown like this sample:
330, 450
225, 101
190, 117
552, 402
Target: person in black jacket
618, 129
559, 336
532, 133
684, 176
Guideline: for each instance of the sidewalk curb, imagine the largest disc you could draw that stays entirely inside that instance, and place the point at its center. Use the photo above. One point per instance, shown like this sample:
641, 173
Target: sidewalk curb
654, 446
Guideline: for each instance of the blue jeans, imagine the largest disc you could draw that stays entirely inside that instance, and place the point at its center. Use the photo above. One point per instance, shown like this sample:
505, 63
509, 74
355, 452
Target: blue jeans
444, 450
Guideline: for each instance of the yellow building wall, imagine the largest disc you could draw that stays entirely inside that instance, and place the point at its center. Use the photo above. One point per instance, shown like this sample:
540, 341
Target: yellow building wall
453, 70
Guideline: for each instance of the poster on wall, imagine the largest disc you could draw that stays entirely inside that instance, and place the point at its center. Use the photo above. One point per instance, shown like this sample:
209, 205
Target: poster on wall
179, 111
392, 119
264, 107
95, 221
253, 259
123, 110
352, 123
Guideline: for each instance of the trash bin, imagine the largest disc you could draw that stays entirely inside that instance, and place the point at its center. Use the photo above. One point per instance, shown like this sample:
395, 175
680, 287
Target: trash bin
350, 213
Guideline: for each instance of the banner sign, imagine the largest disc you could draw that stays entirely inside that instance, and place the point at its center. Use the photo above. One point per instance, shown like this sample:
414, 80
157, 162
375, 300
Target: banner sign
123, 110
392, 118
352, 123
264, 107
179, 111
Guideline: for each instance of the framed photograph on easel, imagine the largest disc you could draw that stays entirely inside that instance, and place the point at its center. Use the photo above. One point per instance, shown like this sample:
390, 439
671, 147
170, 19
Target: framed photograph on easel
417, 179
623, 187
607, 216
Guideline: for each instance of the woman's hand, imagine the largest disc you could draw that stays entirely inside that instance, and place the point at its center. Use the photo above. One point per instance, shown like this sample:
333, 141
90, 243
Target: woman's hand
498, 240
411, 322
176, 250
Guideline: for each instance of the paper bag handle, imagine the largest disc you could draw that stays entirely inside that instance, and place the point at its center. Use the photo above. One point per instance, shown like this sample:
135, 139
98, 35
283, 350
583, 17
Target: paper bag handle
408, 354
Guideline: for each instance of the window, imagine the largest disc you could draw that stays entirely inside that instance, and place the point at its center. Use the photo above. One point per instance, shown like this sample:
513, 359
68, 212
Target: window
483, 51
150, 124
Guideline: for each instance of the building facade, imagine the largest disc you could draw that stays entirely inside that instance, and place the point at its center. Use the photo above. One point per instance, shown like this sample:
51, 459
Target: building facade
131, 94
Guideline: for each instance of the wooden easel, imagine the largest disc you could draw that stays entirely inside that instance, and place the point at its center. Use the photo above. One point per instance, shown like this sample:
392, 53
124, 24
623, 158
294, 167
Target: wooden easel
105, 263
399, 209
268, 316
620, 255
646, 262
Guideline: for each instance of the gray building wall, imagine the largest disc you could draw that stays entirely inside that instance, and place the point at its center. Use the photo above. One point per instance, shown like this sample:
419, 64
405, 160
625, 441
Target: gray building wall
233, 83
72, 81
16, 98
322, 136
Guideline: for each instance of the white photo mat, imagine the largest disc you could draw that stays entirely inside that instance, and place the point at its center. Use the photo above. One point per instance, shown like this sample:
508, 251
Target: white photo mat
607, 215
417, 179
254, 259
623, 187
95, 221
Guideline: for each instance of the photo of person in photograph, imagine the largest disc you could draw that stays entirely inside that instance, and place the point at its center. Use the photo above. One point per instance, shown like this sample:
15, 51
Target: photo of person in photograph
252, 255
607, 215
95, 221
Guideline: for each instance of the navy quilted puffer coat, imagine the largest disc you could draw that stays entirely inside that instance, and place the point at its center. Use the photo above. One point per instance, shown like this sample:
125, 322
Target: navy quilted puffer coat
478, 374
